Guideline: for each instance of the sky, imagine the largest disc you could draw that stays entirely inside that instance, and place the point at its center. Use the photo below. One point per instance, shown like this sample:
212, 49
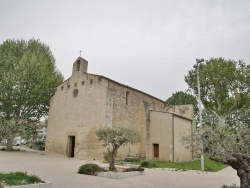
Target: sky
149, 45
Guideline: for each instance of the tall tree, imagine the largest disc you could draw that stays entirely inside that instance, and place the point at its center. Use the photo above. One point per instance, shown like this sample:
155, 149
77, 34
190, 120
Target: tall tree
114, 138
182, 98
28, 77
224, 89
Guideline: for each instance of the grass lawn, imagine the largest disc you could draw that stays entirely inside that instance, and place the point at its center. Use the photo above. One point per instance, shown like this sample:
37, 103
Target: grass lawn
18, 178
209, 165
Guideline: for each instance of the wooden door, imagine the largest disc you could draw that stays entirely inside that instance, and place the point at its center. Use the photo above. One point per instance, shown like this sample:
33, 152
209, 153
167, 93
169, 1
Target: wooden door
156, 150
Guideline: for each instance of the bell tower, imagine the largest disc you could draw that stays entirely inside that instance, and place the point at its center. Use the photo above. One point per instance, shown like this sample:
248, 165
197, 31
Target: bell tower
80, 65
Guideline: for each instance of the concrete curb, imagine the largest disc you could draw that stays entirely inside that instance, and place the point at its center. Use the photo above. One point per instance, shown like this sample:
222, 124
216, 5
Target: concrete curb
37, 185
115, 175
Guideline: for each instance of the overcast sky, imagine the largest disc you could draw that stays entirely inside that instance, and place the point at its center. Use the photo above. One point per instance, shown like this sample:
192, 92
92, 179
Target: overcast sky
147, 44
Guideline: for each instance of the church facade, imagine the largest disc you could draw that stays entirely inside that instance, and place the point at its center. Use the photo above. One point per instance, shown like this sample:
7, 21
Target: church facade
85, 102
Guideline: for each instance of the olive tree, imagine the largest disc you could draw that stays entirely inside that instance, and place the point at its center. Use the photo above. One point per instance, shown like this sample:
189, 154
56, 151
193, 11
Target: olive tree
28, 77
113, 138
224, 89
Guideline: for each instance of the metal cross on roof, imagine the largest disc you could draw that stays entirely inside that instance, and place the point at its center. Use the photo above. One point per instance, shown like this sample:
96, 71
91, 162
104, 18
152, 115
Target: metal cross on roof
80, 53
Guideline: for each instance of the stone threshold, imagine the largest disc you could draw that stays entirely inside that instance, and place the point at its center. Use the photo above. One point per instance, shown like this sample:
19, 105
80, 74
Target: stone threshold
37, 185
120, 175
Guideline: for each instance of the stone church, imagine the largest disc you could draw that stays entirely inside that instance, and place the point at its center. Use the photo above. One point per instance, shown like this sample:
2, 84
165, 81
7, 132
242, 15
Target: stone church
85, 102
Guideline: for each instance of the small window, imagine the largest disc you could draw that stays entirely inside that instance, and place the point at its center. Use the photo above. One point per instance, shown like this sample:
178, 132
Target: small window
68, 86
91, 81
62, 88
78, 66
127, 98
75, 84
75, 93
83, 82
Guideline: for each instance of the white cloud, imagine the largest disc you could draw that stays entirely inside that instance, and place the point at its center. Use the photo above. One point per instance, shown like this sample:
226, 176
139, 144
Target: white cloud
149, 45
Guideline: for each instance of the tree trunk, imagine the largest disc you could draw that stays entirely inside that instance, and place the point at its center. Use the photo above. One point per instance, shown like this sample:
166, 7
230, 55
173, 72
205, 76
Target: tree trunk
244, 178
112, 159
241, 163
9, 145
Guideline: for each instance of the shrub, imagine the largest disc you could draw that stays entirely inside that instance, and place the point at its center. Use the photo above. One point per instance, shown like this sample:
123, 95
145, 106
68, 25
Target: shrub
148, 164
4, 149
90, 169
40, 143
42, 148
130, 159
230, 186
18, 178
133, 169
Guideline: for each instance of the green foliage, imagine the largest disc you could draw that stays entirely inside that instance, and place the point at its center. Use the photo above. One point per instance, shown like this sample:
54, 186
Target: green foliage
4, 149
224, 89
133, 169
182, 98
38, 145
42, 148
28, 78
148, 164
113, 138
117, 136
230, 186
18, 178
222, 143
90, 169
224, 85
131, 159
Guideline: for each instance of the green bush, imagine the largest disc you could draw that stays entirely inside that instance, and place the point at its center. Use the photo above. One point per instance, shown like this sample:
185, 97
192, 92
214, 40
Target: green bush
148, 164
18, 178
133, 169
90, 169
230, 186
42, 148
4, 149
130, 159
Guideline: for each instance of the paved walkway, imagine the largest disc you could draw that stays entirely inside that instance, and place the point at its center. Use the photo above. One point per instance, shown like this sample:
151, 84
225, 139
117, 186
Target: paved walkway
62, 172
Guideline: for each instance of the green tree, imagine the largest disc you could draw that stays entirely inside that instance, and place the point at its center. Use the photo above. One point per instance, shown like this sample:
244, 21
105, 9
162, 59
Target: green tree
182, 98
114, 138
28, 77
225, 86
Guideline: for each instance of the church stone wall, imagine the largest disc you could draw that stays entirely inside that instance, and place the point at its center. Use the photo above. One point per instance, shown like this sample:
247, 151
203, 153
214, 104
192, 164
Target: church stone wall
130, 108
86, 102
77, 114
